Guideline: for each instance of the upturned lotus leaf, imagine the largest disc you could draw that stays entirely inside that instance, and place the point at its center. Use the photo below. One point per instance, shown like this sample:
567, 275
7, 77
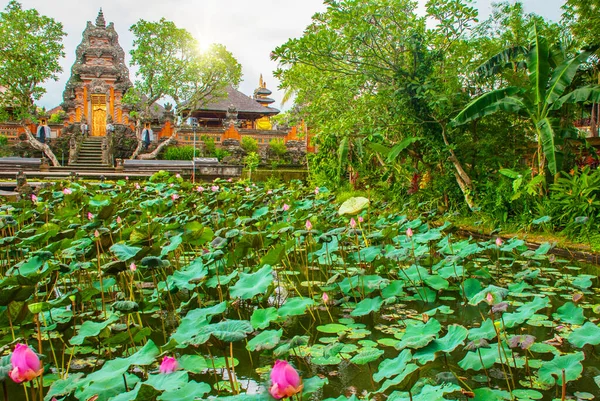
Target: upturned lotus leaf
353, 206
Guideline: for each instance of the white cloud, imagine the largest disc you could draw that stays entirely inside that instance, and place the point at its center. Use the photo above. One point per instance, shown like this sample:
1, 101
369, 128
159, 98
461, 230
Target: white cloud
249, 29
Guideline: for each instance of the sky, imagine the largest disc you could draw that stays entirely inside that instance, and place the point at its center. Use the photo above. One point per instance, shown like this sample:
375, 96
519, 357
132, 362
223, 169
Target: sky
249, 29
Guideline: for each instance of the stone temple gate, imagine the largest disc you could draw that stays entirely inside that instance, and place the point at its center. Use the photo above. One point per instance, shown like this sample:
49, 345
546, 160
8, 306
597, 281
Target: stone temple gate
99, 79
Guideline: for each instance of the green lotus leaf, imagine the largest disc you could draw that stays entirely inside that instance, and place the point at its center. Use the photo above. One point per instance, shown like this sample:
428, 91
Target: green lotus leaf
551, 371
353, 206
367, 306
488, 394
295, 306
91, 329
332, 328
227, 331
589, 333
455, 337
250, 285
366, 355
569, 313
188, 392
419, 334
525, 311
265, 340
486, 331
262, 318
428, 393
194, 363
392, 367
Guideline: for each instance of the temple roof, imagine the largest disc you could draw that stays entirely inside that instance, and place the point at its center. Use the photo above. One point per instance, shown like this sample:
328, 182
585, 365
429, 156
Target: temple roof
243, 103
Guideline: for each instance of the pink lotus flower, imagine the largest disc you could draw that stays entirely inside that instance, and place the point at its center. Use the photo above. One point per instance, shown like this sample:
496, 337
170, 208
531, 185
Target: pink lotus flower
498, 241
90, 216
247, 189
230, 180
67, 191
352, 223
132, 267
308, 225
34, 198
285, 380
174, 197
119, 220
316, 190
177, 175
489, 298
409, 232
360, 219
127, 177
137, 186
96, 234
214, 188
26, 365
269, 192
171, 185
325, 298
286, 207
168, 365
200, 189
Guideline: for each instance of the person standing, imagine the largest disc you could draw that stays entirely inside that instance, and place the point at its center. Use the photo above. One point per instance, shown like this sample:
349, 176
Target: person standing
43, 131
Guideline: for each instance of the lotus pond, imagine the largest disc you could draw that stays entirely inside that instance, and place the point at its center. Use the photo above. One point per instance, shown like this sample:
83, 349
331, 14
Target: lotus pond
105, 280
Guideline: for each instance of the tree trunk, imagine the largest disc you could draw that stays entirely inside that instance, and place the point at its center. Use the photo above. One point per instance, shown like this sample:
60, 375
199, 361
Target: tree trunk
462, 178
155, 152
40, 146
140, 142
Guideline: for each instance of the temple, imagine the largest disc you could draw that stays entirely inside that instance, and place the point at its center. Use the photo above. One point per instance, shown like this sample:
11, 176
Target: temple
92, 103
99, 79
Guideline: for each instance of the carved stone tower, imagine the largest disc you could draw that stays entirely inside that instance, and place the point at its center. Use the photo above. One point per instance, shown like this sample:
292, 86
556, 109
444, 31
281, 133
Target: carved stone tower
99, 79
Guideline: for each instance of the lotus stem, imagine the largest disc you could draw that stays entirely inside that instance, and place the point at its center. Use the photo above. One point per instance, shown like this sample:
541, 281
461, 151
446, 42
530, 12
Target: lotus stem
564, 386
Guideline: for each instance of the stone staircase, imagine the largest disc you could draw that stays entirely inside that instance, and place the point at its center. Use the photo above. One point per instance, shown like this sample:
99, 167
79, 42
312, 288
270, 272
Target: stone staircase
89, 158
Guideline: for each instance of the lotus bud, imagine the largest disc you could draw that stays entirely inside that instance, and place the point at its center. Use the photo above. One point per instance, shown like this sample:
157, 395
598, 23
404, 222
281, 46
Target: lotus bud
168, 365
286, 207
409, 232
26, 365
285, 380
498, 242
352, 223
308, 225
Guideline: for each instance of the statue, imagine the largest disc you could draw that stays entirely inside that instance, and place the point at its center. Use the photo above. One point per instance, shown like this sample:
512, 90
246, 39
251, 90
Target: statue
231, 117
43, 131
110, 128
147, 135
84, 127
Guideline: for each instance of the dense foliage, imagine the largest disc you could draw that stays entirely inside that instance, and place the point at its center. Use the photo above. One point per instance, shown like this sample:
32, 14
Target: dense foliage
379, 83
106, 280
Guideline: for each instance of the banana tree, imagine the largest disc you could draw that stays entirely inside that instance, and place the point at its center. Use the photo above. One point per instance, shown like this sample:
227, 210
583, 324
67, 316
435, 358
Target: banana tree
548, 90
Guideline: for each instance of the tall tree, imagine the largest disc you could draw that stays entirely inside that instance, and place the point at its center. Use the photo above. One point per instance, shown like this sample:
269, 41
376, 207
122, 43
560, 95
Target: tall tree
171, 66
371, 71
30, 50
547, 90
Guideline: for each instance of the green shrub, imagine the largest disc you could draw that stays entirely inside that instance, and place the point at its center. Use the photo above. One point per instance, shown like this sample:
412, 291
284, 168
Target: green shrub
58, 118
249, 144
221, 153
178, 153
278, 147
3, 140
209, 145
574, 200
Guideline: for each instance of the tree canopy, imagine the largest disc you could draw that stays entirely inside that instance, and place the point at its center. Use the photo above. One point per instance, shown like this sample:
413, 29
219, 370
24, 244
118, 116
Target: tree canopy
171, 66
30, 50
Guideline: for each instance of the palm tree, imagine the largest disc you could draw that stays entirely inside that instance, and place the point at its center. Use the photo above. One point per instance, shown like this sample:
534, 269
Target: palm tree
548, 90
